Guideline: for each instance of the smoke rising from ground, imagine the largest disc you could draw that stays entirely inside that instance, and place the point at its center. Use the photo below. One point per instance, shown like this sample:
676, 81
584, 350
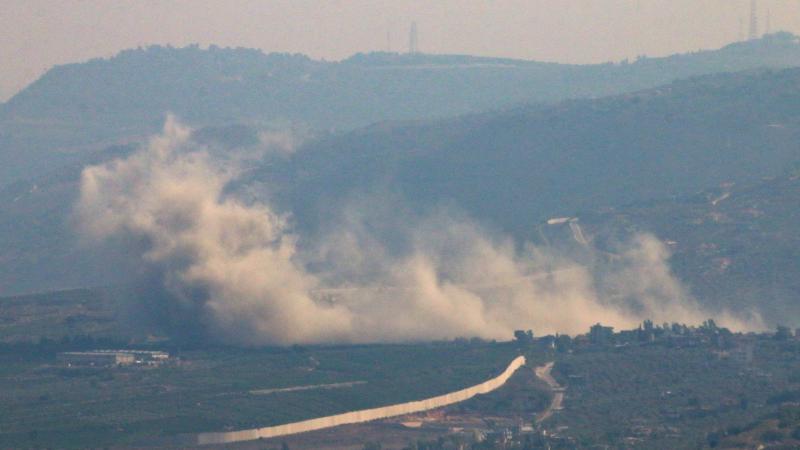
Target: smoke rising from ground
234, 268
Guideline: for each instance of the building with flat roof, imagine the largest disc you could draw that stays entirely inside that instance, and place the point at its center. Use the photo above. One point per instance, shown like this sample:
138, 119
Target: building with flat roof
109, 358
100, 359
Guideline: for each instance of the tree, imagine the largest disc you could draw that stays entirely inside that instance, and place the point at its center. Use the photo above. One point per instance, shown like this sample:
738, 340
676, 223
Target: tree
710, 325
523, 337
783, 333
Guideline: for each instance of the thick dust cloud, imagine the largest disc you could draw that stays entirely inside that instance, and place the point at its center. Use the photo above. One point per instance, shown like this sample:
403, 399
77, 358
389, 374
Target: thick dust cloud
234, 269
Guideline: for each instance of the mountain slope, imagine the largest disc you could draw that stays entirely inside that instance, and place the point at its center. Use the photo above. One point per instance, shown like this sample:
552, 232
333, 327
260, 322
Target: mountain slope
735, 245
519, 167
137, 86
104, 100
512, 170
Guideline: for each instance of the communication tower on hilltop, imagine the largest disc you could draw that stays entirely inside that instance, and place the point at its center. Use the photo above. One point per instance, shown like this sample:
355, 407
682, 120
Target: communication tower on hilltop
768, 23
741, 29
413, 48
753, 20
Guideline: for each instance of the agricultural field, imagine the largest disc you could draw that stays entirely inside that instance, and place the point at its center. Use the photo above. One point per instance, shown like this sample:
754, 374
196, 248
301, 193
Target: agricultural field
704, 387
657, 396
59, 315
47, 404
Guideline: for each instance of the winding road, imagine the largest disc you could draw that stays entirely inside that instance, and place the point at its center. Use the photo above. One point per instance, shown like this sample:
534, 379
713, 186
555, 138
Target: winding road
543, 372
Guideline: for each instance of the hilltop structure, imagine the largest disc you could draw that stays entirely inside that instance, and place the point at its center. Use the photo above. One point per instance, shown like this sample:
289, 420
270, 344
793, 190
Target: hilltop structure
413, 45
753, 20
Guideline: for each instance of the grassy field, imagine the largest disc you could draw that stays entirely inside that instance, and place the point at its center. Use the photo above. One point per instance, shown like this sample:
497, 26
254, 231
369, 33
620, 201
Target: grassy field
204, 388
58, 314
641, 395
49, 405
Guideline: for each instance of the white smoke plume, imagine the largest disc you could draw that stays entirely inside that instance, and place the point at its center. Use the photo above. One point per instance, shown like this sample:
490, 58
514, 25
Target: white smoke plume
230, 262
234, 267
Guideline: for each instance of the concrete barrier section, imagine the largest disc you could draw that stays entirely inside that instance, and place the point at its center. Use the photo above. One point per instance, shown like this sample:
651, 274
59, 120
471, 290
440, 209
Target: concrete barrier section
365, 415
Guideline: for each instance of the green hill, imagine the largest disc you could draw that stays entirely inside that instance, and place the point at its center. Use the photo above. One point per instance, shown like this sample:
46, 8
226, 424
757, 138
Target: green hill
83, 106
519, 167
511, 170
734, 246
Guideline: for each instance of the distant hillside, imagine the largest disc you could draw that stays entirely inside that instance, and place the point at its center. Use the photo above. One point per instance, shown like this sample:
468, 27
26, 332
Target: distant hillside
40, 249
136, 87
58, 314
104, 100
654, 149
776, 431
519, 167
633, 162
735, 245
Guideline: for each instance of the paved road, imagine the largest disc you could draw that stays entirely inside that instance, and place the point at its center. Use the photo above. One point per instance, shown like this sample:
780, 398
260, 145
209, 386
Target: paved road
543, 372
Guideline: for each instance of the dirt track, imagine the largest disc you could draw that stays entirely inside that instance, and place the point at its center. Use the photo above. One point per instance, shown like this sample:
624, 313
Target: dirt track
543, 372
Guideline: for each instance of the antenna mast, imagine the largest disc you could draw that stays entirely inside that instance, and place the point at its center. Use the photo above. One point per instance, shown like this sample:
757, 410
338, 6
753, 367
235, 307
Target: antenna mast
753, 20
413, 48
768, 25
741, 29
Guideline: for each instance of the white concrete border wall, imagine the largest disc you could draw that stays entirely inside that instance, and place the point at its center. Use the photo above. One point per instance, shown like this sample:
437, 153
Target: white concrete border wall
364, 415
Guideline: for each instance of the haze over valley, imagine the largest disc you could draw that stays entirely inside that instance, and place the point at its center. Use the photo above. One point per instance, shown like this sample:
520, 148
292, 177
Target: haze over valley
404, 249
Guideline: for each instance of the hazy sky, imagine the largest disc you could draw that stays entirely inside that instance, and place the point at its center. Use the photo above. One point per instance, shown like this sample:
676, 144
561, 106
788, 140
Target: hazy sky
37, 34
